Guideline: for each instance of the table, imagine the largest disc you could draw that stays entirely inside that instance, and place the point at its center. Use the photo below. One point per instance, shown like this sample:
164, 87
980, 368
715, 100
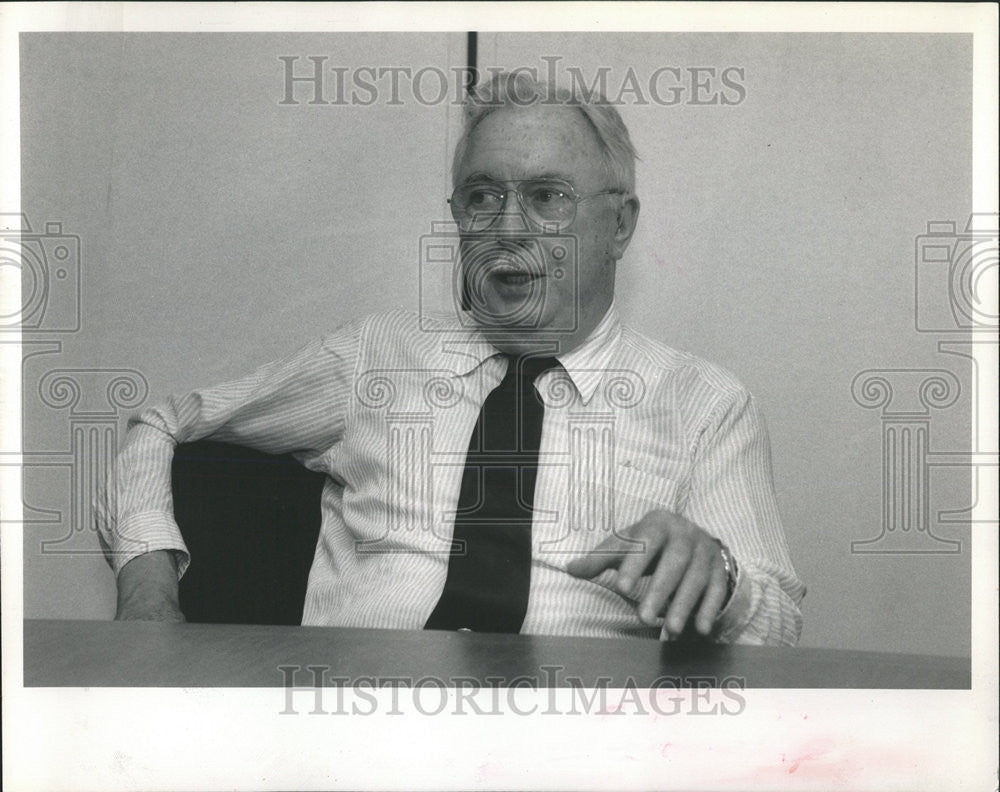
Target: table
143, 654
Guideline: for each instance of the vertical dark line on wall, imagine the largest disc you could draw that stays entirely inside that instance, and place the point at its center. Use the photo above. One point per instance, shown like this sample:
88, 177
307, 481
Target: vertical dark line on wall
472, 66
472, 55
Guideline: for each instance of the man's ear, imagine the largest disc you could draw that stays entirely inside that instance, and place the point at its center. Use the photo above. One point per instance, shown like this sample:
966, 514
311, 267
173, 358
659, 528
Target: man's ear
628, 215
465, 303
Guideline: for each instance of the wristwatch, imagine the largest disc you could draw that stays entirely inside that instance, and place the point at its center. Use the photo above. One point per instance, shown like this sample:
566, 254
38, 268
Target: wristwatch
731, 572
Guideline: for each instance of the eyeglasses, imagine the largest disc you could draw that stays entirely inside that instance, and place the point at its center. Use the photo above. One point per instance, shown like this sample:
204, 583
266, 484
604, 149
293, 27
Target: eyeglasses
549, 203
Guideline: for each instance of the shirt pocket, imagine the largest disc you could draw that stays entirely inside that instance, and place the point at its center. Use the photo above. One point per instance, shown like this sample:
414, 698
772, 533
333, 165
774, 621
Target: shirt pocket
601, 506
633, 493
612, 505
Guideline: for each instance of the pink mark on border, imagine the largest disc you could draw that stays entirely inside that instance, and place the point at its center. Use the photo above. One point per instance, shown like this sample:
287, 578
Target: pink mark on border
812, 751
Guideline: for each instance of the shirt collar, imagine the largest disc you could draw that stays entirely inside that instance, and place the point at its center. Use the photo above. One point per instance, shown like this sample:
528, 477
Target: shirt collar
460, 348
587, 364
466, 349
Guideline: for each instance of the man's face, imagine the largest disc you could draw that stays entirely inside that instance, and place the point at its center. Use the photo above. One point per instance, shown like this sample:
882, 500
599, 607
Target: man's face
529, 287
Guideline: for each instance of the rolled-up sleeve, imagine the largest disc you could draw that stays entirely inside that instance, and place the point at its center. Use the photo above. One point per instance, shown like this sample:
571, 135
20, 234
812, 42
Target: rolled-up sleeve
294, 405
732, 497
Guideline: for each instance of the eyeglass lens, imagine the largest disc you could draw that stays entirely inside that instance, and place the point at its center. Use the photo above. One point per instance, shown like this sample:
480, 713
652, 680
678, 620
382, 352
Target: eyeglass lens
544, 201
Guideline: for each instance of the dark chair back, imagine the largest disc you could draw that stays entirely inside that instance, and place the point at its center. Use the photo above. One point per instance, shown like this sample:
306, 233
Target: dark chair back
251, 522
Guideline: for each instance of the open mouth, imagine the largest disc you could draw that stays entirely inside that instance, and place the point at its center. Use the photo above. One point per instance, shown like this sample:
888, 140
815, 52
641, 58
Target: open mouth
512, 268
513, 277
510, 271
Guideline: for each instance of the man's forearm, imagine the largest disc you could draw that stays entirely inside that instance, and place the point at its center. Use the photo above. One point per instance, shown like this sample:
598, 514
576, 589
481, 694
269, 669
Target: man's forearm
292, 405
147, 588
133, 510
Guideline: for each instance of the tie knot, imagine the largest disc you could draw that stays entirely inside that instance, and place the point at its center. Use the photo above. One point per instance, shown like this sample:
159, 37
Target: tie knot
528, 369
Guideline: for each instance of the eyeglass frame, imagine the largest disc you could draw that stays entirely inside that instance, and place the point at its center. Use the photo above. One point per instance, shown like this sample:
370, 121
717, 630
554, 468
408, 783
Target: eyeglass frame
505, 191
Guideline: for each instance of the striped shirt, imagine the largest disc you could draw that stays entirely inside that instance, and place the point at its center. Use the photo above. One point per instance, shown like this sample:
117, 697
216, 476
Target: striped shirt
385, 407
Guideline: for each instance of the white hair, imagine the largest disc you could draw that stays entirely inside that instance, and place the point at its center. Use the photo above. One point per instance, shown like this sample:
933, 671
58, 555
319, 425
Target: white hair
520, 88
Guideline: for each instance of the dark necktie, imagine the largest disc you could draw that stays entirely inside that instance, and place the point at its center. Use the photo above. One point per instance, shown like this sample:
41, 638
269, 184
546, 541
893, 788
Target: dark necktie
489, 570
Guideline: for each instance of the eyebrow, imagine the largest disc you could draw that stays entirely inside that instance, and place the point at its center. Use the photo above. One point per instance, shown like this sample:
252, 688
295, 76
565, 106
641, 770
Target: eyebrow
546, 175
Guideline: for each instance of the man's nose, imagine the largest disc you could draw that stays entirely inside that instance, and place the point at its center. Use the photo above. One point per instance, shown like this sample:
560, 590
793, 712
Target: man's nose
511, 219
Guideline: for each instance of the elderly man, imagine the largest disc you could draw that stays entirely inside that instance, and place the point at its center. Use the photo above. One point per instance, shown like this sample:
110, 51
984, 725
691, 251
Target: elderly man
572, 477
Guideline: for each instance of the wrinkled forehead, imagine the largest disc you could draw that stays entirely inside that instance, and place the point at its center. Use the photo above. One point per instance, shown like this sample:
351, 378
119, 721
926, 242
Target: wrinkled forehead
538, 141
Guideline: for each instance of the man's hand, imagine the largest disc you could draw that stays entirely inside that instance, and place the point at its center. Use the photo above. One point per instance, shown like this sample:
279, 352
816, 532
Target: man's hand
685, 562
147, 589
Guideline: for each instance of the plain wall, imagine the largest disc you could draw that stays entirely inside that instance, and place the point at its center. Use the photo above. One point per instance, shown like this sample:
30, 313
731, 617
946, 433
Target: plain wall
220, 229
